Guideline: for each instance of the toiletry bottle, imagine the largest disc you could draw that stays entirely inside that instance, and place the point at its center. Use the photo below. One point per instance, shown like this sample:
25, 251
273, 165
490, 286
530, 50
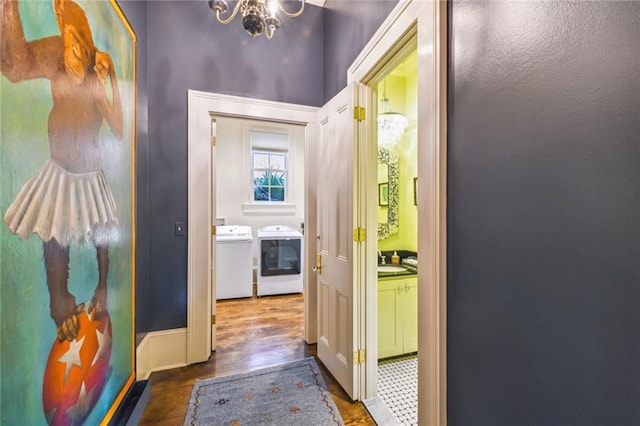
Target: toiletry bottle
395, 259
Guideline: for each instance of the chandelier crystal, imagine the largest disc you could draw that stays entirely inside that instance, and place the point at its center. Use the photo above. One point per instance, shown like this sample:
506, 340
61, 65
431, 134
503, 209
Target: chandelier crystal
258, 16
391, 125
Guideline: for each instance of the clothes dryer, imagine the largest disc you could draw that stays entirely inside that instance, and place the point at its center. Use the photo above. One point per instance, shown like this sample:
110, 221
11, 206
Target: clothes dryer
279, 260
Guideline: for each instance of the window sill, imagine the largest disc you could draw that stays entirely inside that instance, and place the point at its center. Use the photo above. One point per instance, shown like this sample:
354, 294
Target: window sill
280, 209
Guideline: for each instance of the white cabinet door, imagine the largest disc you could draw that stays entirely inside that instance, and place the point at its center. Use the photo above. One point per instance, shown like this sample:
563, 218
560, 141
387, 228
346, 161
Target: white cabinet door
397, 317
409, 301
389, 323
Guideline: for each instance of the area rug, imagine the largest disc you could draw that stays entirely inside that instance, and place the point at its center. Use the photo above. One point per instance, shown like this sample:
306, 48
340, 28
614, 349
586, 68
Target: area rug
288, 394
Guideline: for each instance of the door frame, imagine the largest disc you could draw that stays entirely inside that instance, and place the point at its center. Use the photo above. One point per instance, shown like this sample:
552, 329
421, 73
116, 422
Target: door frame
429, 20
202, 106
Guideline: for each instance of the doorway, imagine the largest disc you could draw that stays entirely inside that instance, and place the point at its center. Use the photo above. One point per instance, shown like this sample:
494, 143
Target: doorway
258, 186
426, 23
202, 106
396, 213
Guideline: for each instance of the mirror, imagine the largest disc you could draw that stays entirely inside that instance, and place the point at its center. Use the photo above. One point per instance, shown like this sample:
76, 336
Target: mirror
387, 193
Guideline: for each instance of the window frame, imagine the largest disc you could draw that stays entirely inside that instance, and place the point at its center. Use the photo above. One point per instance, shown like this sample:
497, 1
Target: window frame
287, 207
268, 171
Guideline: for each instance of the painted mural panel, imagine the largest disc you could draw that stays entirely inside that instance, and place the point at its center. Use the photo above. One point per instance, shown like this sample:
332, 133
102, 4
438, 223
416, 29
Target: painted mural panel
67, 97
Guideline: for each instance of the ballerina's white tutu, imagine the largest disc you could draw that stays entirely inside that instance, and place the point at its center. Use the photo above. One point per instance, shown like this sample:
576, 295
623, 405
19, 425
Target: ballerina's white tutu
56, 203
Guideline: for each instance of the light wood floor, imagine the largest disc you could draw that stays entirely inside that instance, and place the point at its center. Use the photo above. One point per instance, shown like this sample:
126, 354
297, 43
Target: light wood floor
251, 333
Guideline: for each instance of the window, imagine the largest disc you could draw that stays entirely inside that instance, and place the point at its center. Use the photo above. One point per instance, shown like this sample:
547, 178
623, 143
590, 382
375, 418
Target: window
269, 166
269, 175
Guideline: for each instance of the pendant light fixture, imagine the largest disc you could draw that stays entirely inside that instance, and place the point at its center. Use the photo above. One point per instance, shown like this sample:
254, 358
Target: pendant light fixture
258, 16
391, 125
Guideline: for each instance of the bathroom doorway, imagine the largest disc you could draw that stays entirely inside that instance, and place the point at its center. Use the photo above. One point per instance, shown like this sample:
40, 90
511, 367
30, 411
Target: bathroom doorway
426, 22
393, 180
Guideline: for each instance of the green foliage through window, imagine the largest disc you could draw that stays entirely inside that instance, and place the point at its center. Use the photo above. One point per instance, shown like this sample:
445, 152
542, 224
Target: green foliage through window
269, 176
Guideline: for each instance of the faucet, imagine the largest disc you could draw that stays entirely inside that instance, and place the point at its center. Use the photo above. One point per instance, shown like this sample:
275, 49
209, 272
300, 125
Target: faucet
383, 258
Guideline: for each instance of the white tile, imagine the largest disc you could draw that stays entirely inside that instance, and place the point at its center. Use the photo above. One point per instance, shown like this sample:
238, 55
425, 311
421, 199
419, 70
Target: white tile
397, 387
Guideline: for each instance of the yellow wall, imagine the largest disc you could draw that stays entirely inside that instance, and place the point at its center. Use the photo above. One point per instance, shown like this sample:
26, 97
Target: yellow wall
402, 94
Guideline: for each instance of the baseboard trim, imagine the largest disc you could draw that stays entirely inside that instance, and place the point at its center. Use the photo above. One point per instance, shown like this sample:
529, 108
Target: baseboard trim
161, 350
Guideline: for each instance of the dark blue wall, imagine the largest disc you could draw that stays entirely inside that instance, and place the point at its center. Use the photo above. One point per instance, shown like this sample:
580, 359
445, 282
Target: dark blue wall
348, 27
544, 213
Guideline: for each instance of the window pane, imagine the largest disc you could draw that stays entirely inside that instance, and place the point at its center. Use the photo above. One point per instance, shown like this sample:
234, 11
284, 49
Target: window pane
260, 193
260, 160
278, 162
276, 178
277, 193
269, 171
259, 177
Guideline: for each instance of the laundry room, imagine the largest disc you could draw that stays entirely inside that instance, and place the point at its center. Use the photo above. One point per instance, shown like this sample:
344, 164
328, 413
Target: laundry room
259, 212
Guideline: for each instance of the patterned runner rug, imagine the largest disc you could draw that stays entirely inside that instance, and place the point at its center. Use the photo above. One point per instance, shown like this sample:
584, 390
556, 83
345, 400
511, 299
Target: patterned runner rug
289, 394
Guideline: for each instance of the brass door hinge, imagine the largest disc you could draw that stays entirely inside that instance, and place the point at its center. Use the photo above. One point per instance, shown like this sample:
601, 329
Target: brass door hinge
213, 140
213, 320
213, 230
318, 267
359, 357
359, 113
359, 235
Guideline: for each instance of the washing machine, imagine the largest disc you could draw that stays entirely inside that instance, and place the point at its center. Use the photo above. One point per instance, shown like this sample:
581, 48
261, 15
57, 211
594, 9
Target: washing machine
234, 262
279, 260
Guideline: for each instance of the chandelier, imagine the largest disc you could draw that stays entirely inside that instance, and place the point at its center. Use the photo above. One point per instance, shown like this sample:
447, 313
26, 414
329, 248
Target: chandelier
391, 125
258, 16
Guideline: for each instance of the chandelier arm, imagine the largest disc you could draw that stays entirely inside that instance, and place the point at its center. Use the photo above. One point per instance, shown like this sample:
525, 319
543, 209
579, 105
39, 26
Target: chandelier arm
292, 14
268, 33
233, 14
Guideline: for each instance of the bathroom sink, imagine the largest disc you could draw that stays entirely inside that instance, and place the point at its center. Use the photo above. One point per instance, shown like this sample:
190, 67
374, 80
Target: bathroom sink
391, 268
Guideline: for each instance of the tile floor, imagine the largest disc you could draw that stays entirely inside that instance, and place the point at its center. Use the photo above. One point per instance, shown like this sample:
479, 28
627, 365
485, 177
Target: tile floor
398, 387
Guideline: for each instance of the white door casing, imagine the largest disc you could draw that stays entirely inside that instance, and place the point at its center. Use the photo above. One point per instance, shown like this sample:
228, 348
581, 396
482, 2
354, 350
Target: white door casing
429, 20
336, 210
213, 235
201, 107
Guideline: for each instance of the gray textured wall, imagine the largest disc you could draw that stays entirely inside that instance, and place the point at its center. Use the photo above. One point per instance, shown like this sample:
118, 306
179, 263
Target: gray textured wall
544, 213
348, 26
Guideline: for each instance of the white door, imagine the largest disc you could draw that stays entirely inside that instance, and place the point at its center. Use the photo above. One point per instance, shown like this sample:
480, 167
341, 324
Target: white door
337, 325
213, 233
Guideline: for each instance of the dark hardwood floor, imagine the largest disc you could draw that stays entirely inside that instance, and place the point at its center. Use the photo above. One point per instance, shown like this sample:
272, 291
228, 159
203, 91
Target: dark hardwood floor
251, 333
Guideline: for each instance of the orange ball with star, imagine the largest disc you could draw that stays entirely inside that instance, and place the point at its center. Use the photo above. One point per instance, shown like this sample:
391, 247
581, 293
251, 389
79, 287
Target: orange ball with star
76, 371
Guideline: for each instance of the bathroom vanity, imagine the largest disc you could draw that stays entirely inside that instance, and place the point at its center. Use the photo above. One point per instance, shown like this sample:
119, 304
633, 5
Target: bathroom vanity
397, 314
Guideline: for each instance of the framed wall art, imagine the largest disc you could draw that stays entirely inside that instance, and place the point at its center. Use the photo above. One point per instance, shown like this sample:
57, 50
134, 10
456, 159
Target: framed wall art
67, 203
383, 194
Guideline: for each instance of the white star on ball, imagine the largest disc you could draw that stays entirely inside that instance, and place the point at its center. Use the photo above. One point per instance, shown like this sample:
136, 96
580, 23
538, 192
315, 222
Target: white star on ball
72, 357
